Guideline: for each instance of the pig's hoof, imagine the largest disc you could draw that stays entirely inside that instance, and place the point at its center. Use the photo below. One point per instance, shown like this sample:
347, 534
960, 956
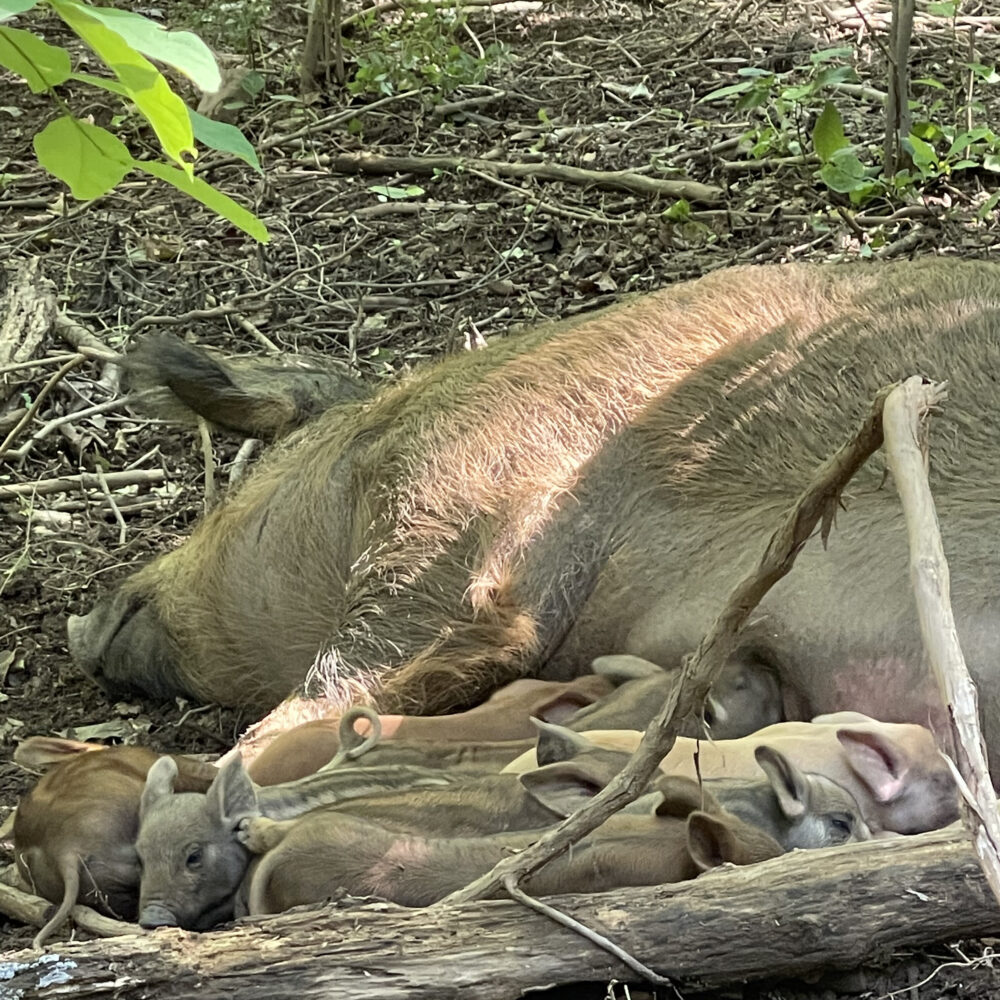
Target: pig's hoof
250, 836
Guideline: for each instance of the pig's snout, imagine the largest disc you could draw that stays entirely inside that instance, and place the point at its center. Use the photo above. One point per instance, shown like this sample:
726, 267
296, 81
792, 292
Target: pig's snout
156, 915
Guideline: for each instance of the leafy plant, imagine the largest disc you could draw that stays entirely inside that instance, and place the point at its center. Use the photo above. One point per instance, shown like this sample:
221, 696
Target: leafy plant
231, 24
936, 150
90, 159
782, 100
421, 50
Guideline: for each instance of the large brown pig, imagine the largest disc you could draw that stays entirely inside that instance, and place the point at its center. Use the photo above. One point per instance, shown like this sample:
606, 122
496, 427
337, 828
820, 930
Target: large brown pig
597, 487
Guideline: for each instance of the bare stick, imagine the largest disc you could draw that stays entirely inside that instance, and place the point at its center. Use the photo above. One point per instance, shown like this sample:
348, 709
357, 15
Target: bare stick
205, 436
817, 505
56, 359
85, 480
904, 409
618, 180
82, 339
122, 528
239, 467
53, 381
510, 884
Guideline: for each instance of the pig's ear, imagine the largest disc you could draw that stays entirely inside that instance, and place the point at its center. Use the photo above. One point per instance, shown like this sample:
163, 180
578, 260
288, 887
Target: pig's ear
715, 840
789, 783
710, 840
842, 719
562, 707
679, 797
557, 743
562, 787
622, 668
232, 797
41, 752
877, 760
159, 785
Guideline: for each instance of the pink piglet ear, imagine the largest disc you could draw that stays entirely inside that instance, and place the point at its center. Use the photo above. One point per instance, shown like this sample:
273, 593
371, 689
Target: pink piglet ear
880, 762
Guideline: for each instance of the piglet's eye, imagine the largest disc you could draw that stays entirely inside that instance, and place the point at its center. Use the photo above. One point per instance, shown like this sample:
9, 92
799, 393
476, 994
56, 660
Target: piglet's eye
193, 859
842, 824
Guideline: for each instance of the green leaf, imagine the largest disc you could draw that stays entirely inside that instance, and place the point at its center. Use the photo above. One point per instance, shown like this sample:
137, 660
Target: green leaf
987, 74
43, 66
927, 130
943, 9
87, 158
147, 87
991, 162
828, 133
224, 137
966, 139
988, 205
844, 172
735, 88
835, 74
104, 82
929, 81
218, 202
825, 55
10, 8
679, 211
183, 50
922, 152
396, 193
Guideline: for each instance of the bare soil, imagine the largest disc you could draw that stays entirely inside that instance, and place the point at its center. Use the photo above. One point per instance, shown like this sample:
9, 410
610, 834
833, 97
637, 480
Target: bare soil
384, 283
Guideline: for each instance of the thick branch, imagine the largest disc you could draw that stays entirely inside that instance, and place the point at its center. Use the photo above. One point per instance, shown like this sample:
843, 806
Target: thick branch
617, 180
818, 502
794, 916
85, 480
904, 410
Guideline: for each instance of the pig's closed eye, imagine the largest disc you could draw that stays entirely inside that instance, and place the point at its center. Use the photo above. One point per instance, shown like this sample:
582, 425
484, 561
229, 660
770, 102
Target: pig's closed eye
842, 824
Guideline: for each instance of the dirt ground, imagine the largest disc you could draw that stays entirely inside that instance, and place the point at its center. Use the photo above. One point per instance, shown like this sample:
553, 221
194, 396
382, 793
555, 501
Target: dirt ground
386, 283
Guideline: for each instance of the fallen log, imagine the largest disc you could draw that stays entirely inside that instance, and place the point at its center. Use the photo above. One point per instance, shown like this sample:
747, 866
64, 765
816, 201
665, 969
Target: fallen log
794, 916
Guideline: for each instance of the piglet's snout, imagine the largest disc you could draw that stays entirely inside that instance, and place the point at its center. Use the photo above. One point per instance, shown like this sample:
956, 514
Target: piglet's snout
156, 915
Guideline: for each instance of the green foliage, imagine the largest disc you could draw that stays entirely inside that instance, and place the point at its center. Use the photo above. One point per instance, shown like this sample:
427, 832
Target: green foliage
233, 24
89, 158
419, 51
387, 192
782, 100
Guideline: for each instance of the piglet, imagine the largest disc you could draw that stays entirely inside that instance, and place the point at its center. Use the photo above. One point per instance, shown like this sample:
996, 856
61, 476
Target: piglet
74, 832
312, 858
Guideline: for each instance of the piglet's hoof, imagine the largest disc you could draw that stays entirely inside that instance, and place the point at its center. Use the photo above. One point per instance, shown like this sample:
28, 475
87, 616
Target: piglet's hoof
248, 836
259, 834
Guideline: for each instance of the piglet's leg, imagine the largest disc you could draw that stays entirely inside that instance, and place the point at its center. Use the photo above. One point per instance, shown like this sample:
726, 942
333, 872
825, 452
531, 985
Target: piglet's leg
260, 835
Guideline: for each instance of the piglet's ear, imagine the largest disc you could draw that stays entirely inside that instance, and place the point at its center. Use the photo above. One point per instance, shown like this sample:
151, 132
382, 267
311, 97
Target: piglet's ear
622, 667
557, 743
879, 761
159, 785
710, 840
788, 782
232, 797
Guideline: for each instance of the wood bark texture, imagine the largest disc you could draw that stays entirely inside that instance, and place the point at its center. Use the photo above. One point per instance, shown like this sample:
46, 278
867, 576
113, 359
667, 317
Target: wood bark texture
796, 915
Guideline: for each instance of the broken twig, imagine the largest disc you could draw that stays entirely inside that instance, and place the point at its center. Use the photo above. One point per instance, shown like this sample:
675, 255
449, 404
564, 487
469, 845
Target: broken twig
905, 408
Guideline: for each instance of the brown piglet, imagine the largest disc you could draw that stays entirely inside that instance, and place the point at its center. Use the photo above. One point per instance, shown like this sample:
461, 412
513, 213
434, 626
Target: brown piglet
74, 832
504, 716
311, 858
